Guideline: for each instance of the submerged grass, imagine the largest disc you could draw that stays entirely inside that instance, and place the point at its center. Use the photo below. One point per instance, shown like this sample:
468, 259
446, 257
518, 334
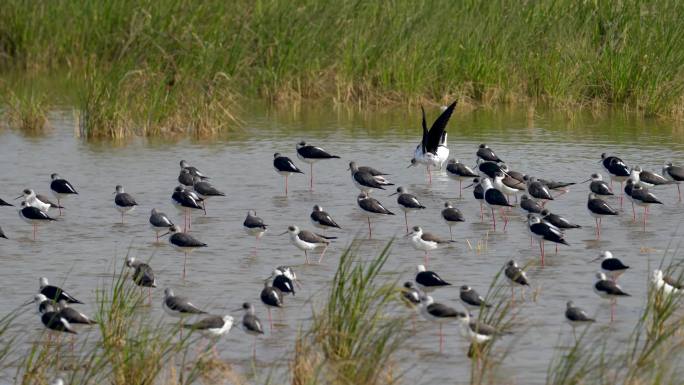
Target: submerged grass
354, 338
26, 109
169, 66
652, 354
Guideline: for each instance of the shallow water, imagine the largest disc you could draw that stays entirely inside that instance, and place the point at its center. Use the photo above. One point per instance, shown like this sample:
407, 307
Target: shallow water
79, 252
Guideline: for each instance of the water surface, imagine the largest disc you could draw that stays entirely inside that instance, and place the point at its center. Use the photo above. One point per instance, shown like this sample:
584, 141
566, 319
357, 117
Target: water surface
80, 251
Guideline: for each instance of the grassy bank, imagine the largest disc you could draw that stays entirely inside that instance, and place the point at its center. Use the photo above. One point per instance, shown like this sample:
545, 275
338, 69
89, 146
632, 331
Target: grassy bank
164, 67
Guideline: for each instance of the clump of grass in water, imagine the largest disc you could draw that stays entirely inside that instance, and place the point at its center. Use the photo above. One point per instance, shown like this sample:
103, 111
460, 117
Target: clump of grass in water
146, 103
26, 110
353, 338
131, 351
484, 358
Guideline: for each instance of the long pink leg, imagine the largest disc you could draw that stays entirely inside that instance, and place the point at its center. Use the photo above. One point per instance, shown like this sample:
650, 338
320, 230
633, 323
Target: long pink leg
441, 339
306, 255
679, 194
429, 174
311, 180
370, 232
320, 258
34, 232
270, 320
185, 260
541, 248
60, 205
285, 185
633, 213
460, 189
494, 219
481, 212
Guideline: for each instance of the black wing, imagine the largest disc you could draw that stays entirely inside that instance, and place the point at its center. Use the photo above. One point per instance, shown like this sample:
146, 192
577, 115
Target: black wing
496, 197
144, 276
599, 206
62, 186
432, 140
366, 179
57, 294
409, 201
443, 311
124, 200
324, 219
182, 305
283, 163
186, 240
610, 287
452, 215
34, 213
211, 322
600, 187
313, 152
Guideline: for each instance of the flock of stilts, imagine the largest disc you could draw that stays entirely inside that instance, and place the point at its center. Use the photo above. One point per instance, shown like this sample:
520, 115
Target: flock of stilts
494, 184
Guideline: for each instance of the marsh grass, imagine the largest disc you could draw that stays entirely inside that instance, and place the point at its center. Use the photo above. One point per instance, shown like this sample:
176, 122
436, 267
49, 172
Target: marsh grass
485, 359
354, 337
191, 60
26, 109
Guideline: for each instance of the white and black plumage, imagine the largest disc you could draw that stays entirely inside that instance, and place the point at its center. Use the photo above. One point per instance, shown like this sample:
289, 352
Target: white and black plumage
271, 297
440, 313
494, 199
616, 167
306, 240
477, 331
598, 186
371, 207
322, 219
184, 243
471, 299
647, 178
488, 169
73, 316
123, 201
61, 188
178, 306
192, 170
674, 174
32, 200
365, 181
55, 293
557, 220
407, 203
529, 205
250, 322
429, 280
665, 283
487, 154
33, 216
610, 265
544, 231
460, 172
42, 303
212, 325
312, 154
159, 222
451, 216
143, 275
53, 320
574, 315
186, 201
282, 282
185, 178
598, 208
410, 295
516, 275
432, 151
478, 194
514, 179
426, 242
501, 186
606, 288
641, 197
285, 167
205, 190
537, 190
254, 226
555, 185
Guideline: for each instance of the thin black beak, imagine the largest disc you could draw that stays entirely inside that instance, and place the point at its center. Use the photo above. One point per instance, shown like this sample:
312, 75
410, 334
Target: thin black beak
283, 233
394, 193
585, 181
18, 197
165, 234
469, 186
